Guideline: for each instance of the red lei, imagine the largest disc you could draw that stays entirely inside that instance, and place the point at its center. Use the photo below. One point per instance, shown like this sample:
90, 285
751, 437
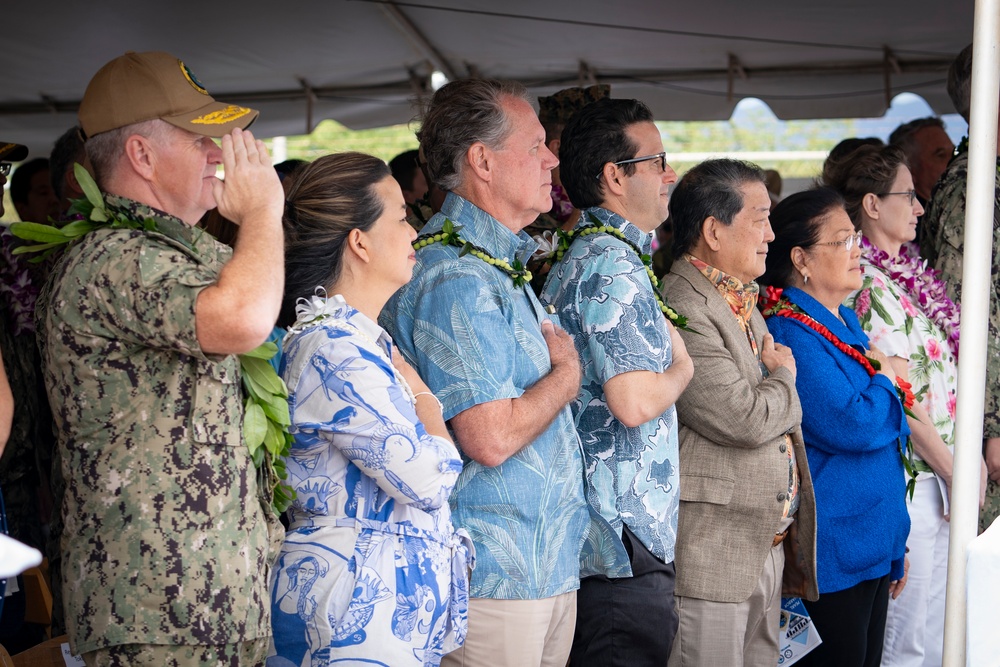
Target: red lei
773, 302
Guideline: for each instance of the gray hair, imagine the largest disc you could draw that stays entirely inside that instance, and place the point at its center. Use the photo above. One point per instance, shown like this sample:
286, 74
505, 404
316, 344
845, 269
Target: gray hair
710, 189
460, 114
106, 149
904, 136
960, 82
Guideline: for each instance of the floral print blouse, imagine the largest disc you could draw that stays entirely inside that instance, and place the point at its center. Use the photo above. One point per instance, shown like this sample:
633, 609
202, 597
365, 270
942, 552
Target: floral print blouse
896, 325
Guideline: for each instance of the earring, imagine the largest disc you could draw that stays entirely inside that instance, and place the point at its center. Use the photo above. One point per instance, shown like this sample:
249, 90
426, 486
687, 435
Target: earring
805, 279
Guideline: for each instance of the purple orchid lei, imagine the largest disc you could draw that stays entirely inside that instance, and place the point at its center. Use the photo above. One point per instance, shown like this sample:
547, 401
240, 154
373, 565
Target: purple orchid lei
922, 285
562, 207
17, 287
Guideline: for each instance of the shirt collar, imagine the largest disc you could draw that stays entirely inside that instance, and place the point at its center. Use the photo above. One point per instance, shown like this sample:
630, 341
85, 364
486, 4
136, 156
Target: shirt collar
640, 238
168, 225
482, 229
741, 298
363, 323
309, 310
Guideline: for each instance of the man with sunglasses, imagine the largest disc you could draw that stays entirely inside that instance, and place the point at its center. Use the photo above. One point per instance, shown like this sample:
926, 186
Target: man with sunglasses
9, 153
634, 368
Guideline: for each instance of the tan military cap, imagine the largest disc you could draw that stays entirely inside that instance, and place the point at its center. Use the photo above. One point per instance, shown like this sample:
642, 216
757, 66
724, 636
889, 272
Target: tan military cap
137, 87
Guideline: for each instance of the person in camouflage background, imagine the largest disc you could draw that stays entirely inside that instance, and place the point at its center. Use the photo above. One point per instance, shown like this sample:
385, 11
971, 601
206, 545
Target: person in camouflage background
942, 245
554, 112
30, 443
26, 459
166, 543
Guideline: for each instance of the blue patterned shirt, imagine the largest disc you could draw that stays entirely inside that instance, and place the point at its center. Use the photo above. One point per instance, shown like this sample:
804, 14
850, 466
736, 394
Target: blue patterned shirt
605, 301
475, 338
371, 569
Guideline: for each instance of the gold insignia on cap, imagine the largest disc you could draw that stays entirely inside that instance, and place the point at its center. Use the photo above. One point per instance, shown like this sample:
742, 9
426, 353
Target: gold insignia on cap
191, 78
222, 116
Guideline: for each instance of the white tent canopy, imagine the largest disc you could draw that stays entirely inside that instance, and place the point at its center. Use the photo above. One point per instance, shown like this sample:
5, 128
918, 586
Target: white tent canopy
365, 62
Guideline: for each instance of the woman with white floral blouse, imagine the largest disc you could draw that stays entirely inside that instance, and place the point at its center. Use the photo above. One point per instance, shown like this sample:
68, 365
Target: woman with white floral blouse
903, 308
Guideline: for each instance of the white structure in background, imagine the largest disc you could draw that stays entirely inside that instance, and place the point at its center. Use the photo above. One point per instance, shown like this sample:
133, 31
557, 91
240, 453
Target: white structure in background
983, 640
976, 291
279, 150
438, 79
15, 557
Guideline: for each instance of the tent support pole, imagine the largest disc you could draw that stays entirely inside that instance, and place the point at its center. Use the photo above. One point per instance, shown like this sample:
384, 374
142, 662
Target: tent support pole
976, 291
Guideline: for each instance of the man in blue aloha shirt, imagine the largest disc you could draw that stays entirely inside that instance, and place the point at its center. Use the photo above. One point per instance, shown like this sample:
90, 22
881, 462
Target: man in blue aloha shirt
634, 368
470, 324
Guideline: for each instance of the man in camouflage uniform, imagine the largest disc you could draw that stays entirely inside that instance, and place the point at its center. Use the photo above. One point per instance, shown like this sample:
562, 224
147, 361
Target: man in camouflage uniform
942, 245
165, 546
554, 112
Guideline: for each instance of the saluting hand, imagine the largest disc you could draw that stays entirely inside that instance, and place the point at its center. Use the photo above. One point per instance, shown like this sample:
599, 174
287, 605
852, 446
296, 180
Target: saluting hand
252, 188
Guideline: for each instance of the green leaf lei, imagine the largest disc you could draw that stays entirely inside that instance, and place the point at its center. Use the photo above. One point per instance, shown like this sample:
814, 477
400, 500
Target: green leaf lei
93, 213
265, 416
265, 423
594, 226
449, 236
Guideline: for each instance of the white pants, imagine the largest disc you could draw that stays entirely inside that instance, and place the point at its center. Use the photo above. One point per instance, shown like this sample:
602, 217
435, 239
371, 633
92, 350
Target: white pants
914, 629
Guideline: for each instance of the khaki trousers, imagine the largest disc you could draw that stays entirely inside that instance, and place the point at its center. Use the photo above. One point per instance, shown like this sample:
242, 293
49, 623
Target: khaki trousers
517, 633
735, 634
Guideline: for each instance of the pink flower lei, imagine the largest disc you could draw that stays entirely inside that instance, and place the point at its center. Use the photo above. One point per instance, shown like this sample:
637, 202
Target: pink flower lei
922, 285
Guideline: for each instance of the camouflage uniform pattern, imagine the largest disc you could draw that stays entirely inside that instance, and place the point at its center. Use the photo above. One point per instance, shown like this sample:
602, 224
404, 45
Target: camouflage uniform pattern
238, 654
165, 540
942, 245
560, 107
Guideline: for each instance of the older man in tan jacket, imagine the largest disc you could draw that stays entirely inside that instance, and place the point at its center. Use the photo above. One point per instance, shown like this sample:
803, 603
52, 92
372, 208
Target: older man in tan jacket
747, 524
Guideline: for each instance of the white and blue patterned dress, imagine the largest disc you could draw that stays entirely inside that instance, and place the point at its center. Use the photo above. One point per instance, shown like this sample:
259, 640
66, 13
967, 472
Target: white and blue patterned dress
372, 570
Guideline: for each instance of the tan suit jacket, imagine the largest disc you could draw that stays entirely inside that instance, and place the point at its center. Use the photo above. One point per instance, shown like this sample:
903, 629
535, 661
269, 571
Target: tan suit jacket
733, 461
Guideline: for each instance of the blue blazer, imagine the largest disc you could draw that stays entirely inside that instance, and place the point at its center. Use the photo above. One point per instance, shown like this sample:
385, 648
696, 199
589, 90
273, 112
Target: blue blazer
852, 425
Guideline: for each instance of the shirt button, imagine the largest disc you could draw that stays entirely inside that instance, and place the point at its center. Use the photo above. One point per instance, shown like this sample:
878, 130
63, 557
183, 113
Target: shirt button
781, 497
782, 448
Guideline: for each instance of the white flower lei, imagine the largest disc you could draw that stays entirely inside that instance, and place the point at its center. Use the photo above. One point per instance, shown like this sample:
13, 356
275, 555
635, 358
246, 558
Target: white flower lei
317, 308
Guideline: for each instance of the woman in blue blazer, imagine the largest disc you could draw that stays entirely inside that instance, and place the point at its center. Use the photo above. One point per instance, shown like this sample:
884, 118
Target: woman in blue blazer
853, 423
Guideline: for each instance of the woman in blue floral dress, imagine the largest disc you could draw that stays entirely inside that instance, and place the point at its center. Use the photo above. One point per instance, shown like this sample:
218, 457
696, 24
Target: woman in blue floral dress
372, 570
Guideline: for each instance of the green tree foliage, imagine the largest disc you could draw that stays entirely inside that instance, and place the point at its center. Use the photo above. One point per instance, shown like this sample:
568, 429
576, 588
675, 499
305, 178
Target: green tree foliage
755, 129
332, 137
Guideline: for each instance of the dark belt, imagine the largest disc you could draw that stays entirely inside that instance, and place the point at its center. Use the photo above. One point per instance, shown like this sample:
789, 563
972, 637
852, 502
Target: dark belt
779, 538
